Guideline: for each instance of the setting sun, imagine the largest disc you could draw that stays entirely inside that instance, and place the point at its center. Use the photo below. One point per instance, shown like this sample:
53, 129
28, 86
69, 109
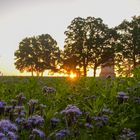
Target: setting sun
72, 75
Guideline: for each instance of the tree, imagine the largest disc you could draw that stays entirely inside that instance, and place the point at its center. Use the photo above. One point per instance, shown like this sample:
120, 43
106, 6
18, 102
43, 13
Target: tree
37, 54
98, 42
85, 44
75, 53
129, 32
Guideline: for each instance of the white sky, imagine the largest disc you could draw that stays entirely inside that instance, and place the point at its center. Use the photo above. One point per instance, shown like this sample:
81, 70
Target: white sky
24, 18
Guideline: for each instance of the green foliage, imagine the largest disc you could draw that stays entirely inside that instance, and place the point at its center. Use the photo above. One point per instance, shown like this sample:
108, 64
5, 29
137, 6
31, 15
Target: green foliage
88, 43
37, 54
136, 73
90, 95
129, 45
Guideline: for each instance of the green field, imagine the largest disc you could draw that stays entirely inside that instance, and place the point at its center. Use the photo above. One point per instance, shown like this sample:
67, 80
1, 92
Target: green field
101, 109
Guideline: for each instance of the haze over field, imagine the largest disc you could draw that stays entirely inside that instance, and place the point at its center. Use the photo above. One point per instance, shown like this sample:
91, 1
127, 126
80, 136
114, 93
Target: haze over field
20, 19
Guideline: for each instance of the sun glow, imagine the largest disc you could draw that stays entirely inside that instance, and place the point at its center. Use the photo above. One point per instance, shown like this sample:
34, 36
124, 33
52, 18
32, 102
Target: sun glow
72, 75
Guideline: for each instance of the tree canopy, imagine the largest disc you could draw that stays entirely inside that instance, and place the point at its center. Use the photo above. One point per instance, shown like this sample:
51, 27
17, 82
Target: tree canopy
37, 54
129, 32
85, 44
89, 43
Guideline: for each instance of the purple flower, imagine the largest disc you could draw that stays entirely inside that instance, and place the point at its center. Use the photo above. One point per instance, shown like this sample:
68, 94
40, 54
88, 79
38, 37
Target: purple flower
61, 133
20, 120
100, 120
35, 120
6, 125
8, 108
88, 125
8, 136
1, 135
20, 97
19, 110
128, 134
54, 122
71, 113
32, 104
122, 96
71, 109
38, 133
48, 90
2, 104
12, 135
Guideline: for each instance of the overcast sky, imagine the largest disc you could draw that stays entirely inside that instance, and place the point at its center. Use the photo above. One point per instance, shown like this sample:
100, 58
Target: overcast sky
25, 18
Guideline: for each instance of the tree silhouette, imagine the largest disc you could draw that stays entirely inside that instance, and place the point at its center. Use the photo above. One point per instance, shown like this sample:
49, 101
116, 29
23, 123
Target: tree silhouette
129, 32
37, 54
86, 44
97, 41
74, 48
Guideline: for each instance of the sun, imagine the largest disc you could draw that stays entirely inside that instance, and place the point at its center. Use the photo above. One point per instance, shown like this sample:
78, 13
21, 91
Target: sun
72, 75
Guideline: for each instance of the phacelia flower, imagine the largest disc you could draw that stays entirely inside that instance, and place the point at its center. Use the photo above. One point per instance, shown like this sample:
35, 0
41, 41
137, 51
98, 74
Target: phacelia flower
20, 120
62, 133
2, 106
127, 134
20, 97
48, 90
11, 136
6, 125
100, 120
71, 109
54, 122
1, 135
38, 133
35, 120
88, 125
32, 104
122, 96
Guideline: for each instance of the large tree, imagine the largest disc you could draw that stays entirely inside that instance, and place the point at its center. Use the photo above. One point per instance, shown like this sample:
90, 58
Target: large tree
129, 32
85, 44
37, 54
75, 52
98, 42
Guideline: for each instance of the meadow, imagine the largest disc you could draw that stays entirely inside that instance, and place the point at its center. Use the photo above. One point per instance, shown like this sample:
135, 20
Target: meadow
83, 108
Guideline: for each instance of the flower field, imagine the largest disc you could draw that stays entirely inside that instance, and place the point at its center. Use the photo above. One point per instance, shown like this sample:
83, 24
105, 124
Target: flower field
69, 109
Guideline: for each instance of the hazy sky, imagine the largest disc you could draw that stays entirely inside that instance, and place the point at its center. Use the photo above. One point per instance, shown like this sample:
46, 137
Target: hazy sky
24, 18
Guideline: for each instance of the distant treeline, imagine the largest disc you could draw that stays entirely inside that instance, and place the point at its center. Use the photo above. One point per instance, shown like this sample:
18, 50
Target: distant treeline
89, 43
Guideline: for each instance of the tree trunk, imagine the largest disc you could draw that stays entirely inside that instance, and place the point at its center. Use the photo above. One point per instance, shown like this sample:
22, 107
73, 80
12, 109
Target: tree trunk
134, 59
37, 73
84, 67
134, 50
94, 71
32, 73
85, 70
41, 73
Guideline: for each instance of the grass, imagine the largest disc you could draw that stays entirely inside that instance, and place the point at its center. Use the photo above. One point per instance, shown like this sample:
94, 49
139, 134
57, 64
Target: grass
90, 95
